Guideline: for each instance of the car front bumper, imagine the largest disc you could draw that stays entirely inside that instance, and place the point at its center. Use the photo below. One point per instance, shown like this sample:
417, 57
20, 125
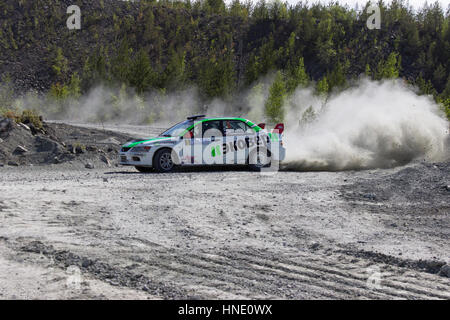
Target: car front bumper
136, 158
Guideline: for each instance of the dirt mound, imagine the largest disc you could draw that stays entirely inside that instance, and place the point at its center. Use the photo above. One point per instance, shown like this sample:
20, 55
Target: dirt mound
420, 182
57, 143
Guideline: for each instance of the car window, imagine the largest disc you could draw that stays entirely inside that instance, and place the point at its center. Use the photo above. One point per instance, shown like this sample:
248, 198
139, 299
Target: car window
210, 128
234, 127
177, 129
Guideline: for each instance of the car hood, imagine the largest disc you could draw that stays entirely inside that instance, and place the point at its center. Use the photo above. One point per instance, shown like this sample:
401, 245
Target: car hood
149, 141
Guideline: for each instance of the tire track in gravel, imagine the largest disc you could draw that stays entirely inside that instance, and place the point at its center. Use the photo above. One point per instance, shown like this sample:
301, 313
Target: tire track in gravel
103, 271
338, 281
251, 273
243, 269
344, 277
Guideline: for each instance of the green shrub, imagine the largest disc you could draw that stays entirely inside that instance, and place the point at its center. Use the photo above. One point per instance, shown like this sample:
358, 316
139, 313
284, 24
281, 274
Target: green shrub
27, 116
31, 116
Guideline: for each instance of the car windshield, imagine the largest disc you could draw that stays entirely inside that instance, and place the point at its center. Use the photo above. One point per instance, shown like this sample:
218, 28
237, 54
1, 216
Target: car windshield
177, 129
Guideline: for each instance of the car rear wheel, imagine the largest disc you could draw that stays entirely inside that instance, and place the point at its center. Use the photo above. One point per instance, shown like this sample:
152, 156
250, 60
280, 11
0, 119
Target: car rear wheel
259, 159
144, 169
163, 162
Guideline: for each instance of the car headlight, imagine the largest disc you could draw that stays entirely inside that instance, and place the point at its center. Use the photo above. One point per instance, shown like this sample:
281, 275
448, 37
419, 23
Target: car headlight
141, 149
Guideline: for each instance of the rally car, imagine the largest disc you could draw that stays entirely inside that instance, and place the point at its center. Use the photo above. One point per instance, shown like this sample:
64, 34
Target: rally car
207, 141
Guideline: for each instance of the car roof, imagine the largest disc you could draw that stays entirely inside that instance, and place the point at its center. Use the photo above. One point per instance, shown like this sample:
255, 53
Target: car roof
250, 123
223, 118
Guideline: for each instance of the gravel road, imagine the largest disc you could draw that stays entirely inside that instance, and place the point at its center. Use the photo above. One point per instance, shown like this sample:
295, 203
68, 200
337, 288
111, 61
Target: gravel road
69, 232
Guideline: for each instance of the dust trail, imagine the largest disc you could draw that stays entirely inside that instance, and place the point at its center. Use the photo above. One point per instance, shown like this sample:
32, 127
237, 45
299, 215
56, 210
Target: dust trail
374, 125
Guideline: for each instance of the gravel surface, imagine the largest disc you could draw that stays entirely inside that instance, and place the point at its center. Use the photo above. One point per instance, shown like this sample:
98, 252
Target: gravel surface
71, 232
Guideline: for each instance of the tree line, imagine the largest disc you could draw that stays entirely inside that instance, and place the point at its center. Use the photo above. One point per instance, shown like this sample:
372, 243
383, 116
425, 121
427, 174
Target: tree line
222, 49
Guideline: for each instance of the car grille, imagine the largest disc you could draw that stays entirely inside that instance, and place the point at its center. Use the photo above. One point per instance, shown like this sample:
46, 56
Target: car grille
125, 149
123, 158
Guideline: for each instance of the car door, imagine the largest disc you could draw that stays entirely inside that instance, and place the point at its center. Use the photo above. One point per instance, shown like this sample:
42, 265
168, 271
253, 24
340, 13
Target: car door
239, 138
212, 140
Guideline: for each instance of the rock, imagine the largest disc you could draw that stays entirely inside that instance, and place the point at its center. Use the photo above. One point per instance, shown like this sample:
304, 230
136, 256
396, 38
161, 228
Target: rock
105, 179
45, 144
91, 148
86, 263
20, 150
314, 246
105, 160
71, 149
13, 163
89, 166
6, 125
370, 196
447, 187
23, 125
111, 141
445, 271
1, 140
79, 150
56, 160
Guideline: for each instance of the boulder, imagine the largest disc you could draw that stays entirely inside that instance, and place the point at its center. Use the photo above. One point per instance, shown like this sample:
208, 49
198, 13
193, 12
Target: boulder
79, 149
89, 165
105, 160
23, 125
20, 150
6, 125
45, 144
445, 271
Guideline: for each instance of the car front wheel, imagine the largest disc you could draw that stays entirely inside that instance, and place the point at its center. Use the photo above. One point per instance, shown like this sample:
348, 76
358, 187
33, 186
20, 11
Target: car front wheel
163, 162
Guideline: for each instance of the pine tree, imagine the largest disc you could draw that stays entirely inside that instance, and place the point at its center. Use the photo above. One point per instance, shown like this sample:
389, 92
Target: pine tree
368, 71
322, 87
120, 65
274, 104
337, 79
142, 76
96, 69
425, 87
217, 77
175, 72
297, 76
74, 87
439, 77
390, 68
60, 65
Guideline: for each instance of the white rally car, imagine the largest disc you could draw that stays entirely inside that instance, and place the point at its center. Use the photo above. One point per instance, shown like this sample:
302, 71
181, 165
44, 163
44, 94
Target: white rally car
207, 141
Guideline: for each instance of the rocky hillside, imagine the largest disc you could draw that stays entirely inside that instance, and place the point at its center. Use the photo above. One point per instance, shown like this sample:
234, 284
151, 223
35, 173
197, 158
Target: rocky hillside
221, 50
24, 144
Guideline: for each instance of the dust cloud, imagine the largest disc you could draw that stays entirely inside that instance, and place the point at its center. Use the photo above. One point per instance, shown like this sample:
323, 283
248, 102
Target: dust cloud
373, 125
